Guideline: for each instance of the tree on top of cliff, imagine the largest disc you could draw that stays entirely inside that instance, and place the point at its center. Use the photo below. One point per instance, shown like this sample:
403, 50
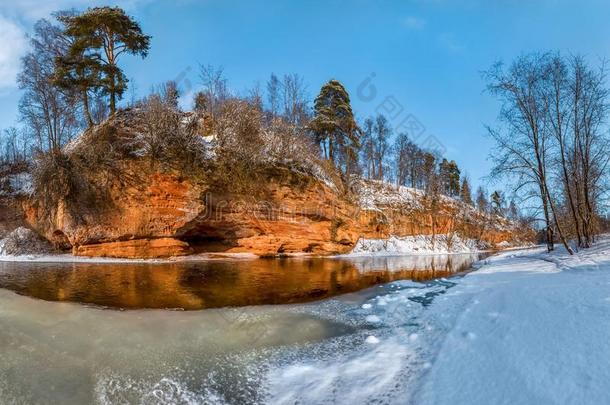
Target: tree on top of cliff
450, 177
102, 35
383, 132
465, 192
335, 126
49, 114
497, 202
78, 74
482, 203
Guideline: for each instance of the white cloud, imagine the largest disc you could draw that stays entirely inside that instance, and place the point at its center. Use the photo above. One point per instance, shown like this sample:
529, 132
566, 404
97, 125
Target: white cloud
14, 43
414, 23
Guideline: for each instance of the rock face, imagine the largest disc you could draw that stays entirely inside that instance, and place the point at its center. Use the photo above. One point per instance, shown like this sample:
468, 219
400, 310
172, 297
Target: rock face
173, 216
165, 213
136, 248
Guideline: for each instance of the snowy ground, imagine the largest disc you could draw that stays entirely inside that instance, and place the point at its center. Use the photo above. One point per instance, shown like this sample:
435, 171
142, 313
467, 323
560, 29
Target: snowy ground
526, 328
413, 245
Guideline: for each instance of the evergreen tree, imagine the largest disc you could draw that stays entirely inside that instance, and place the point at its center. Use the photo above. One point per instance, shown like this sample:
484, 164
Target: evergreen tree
79, 73
450, 177
465, 192
334, 124
429, 175
482, 203
103, 34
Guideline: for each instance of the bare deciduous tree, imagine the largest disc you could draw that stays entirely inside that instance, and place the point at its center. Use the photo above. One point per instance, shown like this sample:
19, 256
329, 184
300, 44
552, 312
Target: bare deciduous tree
523, 148
49, 115
553, 110
215, 89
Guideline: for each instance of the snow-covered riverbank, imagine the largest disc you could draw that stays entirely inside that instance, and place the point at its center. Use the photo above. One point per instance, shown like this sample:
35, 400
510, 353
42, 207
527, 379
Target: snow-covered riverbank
534, 329
527, 327
417, 245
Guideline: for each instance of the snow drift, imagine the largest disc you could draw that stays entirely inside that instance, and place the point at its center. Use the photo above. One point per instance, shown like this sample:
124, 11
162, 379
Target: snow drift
421, 244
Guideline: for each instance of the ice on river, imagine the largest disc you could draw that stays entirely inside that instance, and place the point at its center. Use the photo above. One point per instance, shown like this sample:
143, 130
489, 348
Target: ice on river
527, 327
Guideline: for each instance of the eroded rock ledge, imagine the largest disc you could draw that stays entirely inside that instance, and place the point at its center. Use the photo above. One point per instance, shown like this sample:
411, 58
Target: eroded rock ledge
173, 217
136, 249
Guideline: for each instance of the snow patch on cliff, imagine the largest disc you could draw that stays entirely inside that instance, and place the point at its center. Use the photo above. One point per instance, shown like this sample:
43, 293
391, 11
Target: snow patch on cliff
18, 184
376, 194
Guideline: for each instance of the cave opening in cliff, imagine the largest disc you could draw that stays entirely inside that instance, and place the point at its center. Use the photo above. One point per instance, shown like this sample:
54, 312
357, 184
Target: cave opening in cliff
201, 243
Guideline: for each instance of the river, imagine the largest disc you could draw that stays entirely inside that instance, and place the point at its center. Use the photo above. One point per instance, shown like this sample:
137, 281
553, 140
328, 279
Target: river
207, 332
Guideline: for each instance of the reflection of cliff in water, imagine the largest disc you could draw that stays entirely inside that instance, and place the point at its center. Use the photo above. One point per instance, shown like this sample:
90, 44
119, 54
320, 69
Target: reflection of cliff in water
219, 283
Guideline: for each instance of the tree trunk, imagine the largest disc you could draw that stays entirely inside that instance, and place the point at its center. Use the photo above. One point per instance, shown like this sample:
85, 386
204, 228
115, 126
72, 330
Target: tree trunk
550, 244
566, 180
112, 94
559, 230
90, 122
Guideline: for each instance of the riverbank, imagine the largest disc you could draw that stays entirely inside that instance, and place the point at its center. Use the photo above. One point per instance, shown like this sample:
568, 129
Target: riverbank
526, 327
28, 249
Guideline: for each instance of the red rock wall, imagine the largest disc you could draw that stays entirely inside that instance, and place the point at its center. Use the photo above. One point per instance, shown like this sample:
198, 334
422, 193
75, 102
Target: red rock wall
169, 216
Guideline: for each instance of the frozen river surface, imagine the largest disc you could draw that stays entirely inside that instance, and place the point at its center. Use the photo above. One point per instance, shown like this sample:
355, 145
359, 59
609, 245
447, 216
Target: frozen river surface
527, 327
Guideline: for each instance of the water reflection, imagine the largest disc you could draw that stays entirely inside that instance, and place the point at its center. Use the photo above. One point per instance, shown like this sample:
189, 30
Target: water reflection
199, 285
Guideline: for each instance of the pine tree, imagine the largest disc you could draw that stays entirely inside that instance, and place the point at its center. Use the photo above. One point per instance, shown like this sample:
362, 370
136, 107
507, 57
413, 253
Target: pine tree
450, 177
429, 175
482, 203
368, 148
79, 73
201, 102
103, 34
454, 179
465, 192
334, 124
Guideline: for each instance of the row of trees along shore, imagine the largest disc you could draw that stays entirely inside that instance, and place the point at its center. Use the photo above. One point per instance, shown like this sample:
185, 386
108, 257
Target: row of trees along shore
552, 141
71, 80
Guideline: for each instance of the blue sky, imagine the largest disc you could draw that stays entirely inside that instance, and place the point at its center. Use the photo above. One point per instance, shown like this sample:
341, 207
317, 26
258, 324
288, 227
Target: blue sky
427, 55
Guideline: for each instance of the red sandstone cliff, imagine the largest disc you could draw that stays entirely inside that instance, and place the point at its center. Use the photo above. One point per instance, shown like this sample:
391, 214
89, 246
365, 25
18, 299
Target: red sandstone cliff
165, 213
